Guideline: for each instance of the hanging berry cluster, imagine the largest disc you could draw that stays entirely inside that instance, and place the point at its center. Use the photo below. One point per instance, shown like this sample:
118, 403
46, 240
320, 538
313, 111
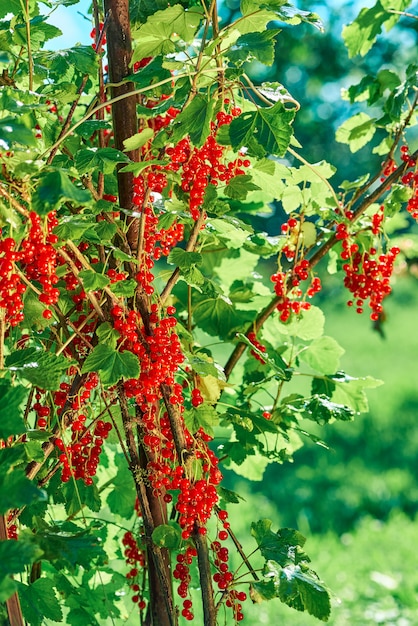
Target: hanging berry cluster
34, 258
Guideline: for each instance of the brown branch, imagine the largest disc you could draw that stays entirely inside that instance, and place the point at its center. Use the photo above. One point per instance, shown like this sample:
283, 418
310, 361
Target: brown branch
12, 604
119, 47
15, 204
205, 578
158, 557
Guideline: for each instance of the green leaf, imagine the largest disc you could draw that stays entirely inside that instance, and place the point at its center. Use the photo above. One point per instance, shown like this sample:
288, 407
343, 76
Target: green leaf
351, 391
73, 228
299, 588
194, 121
157, 35
255, 45
218, 316
167, 536
138, 140
104, 159
68, 545
320, 409
254, 22
101, 232
39, 601
93, 281
203, 365
396, 198
13, 131
239, 187
229, 496
357, 131
360, 35
121, 499
53, 189
77, 494
7, 587
12, 409
111, 364
15, 555
323, 355
87, 129
107, 334
15, 488
270, 128
124, 288
137, 168
307, 326
263, 590
230, 231
43, 369
205, 416
183, 259
282, 546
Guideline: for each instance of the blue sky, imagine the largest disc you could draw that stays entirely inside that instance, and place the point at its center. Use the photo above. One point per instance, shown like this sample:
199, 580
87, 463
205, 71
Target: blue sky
73, 24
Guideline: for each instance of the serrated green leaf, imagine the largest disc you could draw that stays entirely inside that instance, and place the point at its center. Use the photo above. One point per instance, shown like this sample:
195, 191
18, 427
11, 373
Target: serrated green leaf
77, 495
38, 601
107, 334
183, 259
11, 409
281, 546
309, 325
203, 365
204, 416
53, 189
92, 280
68, 545
121, 499
320, 409
360, 35
124, 288
218, 316
298, 587
15, 556
351, 391
138, 140
239, 187
357, 131
73, 228
194, 121
323, 355
111, 364
87, 129
255, 45
104, 159
15, 488
156, 36
397, 196
230, 231
229, 496
270, 128
101, 232
137, 168
43, 369
263, 590
254, 22
167, 536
